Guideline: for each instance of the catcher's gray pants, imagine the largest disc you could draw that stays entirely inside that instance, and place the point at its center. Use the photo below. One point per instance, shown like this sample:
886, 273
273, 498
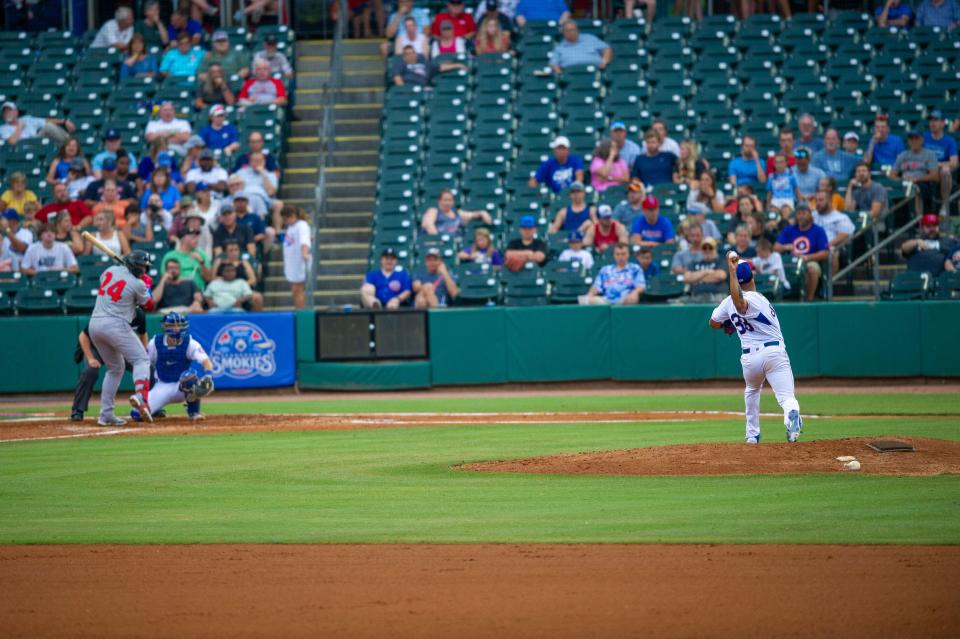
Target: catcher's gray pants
117, 343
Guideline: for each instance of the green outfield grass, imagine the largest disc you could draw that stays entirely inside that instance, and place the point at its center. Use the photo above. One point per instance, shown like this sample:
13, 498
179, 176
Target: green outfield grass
396, 485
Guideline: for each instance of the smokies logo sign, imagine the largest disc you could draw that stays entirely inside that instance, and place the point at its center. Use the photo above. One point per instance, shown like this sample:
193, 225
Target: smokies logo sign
242, 350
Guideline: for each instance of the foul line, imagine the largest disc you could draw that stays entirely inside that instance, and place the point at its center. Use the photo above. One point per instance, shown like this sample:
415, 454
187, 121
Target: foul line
90, 434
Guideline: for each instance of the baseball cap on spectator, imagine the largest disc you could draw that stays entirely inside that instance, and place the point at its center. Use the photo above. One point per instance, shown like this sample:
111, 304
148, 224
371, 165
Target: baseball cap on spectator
9, 105
914, 134
241, 196
936, 114
270, 39
491, 5
226, 208
802, 152
575, 236
11, 214
219, 36
850, 135
186, 200
744, 272
930, 219
802, 205
709, 241
76, 164
388, 252
561, 140
202, 186
109, 164
650, 202
635, 185
111, 134
618, 125
445, 25
195, 141
192, 214
206, 154
433, 251
164, 159
217, 109
604, 212
527, 222
576, 186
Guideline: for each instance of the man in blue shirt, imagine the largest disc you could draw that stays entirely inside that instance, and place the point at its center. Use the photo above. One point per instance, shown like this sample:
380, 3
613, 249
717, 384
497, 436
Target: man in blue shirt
653, 166
808, 177
220, 134
807, 241
560, 171
884, 146
894, 13
748, 168
939, 13
945, 148
111, 144
181, 22
541, 11
651, 228
184, 60
833, 160
387, 288
807, 126
619, 283
576, 49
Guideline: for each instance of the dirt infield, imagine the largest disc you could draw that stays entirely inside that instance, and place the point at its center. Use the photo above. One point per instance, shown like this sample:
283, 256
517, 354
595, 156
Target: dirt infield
930, 457
467, 591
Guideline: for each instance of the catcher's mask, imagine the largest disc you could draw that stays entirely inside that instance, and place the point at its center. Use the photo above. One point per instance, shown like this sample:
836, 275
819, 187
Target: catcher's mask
175, 327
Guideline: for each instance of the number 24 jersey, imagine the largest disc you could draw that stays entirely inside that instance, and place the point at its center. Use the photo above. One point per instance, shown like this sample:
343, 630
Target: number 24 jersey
119, 295
758, 325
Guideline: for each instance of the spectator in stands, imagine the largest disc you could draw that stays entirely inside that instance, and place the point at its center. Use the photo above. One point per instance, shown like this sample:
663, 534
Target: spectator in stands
743, 242
578, 215
227, 293
667, 144
161, 185
782, 190
152, 27
808, 128
577, 49
654, 166
686, 258
606, 232
575, 252
945, 148
60, 165
14, 235
209, 173
493, 38
137, 229
409, 34
851, 144
707, 277
194, 265
894, 13
260, 12
396, 30
235, 189
628, 150
262, 88
387, 287
220, 134
786, 139
17, 195
704, 197
111, 147
297, 241
829, 185
560, 171
746, 207
619, 283
271, 55
808, 177
526, 248
837, 225
154, 214
411, 68
805, 240
112, 201
920, 166
182, 23
80, 213
169, 128
64, 231
884, 147
48, 255
930, 252
689, 164
446, 219
832, 160
175, 294
645, 259
116, 33
123, 172
482, 250
462, 22
541, 11
261, 183
768, 262
255, 144
631, 208
262, 234
863, 194
139, 62
748, 168
107, 233
78, 181
230, 231
182, 61
607, 168
434, 287
231, 255
16, 128
232, 62
213, 90
630, 9
939, 13
651, 228
448, 43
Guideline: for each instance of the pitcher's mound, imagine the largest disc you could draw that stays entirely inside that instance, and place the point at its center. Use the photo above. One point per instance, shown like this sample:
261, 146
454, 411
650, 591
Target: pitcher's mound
929, 457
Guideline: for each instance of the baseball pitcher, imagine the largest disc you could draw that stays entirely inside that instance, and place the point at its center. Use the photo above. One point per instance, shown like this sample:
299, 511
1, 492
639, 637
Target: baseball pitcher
121, 291
172, 352
764, 353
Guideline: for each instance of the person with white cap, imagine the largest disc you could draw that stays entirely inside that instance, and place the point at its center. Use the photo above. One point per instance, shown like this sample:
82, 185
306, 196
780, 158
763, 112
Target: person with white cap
116, 33
851, 143
16, 127
220, 134
627, 149
560, 171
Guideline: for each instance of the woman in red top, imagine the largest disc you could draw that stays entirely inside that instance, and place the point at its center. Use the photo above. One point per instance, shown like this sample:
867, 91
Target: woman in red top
448, 42
606, 232
492, 39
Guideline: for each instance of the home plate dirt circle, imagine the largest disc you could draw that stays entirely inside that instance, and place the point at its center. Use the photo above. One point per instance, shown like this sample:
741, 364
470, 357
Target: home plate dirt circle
930, 457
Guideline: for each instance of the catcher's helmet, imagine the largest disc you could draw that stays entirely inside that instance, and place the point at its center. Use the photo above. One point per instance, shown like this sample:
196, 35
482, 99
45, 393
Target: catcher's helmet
138, 262
175, 326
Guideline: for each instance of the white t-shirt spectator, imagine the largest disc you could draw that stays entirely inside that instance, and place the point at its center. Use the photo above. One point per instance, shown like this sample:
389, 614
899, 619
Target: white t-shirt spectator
294, 266
31, 128
176, 125
772, 265
110, 34
403, 40
583, 256
166, 218
253, 182
76, 188
833, 223
56, 258
278, 62
214, 175
22, 234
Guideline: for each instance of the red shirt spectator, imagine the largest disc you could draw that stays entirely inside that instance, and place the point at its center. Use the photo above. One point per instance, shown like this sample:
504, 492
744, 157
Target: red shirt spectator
463, 24
79, 211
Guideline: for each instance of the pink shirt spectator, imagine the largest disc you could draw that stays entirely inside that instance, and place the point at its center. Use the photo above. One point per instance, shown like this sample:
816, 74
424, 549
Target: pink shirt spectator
617, 170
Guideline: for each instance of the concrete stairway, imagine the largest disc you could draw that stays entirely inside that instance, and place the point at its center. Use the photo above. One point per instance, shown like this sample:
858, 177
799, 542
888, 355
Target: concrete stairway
351, 181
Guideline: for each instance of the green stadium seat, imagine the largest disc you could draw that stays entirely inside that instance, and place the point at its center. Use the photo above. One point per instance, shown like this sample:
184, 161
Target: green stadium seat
38, 301
948, 286
664, 286
909, 285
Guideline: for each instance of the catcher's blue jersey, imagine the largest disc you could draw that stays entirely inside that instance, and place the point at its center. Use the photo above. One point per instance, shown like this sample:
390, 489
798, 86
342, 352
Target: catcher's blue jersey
172, 361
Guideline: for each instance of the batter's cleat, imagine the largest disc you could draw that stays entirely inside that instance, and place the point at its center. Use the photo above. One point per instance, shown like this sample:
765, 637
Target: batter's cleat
794, 427
137, 402
196, 417
752, 440
76, 416
160, 414
111, 420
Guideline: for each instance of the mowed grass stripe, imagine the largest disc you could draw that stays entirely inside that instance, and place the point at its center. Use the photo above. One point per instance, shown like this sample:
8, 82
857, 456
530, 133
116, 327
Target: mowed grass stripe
396, 485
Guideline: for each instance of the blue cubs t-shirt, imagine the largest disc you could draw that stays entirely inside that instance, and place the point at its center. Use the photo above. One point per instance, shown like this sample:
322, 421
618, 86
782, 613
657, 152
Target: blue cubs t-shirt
886, 152
782, 186
219, 138
559, 176
944, 148
654, 170
652, 270
744, 170
614, 283
388, 286
813, 240
255, 222
659, 231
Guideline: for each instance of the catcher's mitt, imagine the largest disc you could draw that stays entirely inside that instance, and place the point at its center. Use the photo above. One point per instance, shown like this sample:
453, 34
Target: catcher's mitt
728, 327
193, 387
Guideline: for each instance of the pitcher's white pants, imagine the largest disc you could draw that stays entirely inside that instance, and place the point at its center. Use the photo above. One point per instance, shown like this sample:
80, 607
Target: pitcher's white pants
770, 363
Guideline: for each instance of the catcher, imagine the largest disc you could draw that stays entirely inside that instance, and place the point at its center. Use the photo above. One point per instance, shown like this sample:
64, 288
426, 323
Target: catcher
173, 352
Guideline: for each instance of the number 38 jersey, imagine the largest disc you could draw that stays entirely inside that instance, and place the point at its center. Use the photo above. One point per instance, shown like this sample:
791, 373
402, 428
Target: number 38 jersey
120, 294
758, 325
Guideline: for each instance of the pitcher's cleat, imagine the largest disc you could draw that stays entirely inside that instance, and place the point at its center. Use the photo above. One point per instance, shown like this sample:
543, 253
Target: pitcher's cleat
794, 427
141, 406
111, 420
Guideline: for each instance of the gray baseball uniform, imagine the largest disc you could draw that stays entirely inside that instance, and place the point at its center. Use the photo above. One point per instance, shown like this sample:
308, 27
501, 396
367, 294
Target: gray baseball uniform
119, 295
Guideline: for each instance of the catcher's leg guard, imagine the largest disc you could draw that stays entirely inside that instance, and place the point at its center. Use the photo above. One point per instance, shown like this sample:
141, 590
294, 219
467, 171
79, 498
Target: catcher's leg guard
193, 410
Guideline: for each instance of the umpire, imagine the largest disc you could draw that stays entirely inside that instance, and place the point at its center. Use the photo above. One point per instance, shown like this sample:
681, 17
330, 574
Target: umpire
92, 363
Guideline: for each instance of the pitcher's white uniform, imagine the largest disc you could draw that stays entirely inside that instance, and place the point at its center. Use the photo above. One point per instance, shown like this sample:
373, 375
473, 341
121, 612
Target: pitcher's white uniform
764, 356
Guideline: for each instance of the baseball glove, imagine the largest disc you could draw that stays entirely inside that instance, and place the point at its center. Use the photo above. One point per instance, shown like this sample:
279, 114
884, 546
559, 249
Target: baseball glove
728, 327
193, 387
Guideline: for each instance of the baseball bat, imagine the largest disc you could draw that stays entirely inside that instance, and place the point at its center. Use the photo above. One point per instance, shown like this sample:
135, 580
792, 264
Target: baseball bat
100, 245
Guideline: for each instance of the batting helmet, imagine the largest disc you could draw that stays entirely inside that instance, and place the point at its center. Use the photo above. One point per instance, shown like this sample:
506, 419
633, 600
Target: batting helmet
138, 262
175, 326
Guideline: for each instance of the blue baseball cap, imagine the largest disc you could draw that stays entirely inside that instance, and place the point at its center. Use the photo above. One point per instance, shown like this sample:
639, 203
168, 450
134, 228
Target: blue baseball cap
618, 125
202, 186
164, 159
109, 164
744, 272
111, 134
936, 114
11, 214
575, 236
527, 222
